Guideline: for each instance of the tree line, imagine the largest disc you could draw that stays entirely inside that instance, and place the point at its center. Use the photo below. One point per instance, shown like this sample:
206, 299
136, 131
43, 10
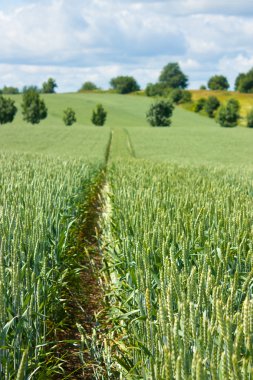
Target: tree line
34, 110
171, 85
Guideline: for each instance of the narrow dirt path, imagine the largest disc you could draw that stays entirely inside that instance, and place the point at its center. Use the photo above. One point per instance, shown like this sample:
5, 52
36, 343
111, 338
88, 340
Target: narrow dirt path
83, 298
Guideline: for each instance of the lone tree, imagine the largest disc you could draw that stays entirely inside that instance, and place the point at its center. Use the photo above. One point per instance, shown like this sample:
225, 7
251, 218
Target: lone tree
173, 77
218, 82
49, 86
33, 108
211, 105
69, 116
8, 110
159, 113
99, 115
124, 84
244, 82
228, 114
88, 86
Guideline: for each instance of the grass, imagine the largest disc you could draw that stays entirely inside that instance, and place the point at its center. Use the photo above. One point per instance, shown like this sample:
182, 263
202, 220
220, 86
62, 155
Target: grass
192, 139
196, 140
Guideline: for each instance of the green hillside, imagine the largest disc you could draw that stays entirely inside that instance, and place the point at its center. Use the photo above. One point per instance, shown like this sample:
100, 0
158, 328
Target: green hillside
192, 139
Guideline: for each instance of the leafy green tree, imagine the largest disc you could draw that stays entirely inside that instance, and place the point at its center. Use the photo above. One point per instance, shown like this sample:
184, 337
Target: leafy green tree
244, 82
199, 105
228, 114
124, 84
250, 119
9, 90
99, 115
88, 86
49, 86
33, 108
159, 113
211, 105
157, 89
202, 87
69, 116
8, 110
218, 82
173, 77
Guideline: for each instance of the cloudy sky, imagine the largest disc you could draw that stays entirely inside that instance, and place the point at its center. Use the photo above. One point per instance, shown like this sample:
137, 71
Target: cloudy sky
80, 40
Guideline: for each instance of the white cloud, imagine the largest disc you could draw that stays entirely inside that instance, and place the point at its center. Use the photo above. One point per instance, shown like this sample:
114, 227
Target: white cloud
100, 38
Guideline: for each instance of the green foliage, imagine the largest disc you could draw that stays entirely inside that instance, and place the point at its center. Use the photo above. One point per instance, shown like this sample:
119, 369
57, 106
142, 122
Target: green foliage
49, 86
218, 82
199, 105
9, 90
187, 96
228, 114
244, 82
179, 96
159, 113
157, 89
202, 87
33, 108
99, 115
88, 86
211, 105
7, 110
176, 95
172, 76
250, 119
69, 116
124, 84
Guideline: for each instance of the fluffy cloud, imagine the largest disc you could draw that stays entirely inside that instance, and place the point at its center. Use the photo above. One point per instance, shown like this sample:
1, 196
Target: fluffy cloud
97, 39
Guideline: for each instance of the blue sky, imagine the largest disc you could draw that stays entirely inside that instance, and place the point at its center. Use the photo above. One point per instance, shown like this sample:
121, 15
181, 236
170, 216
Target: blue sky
80, 40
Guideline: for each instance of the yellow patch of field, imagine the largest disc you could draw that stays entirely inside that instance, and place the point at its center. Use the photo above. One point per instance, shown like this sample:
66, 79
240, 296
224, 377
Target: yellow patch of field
245, 100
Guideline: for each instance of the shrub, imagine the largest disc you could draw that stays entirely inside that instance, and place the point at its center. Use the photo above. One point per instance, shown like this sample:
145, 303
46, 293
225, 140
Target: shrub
88, 86
7, 110
250, 119
34, 108
176, 95
99, 115
69, 116
187, 96
218, 82
211, 105
228, 114
159, 113
124, 84
199, 105
157, 89
179, 96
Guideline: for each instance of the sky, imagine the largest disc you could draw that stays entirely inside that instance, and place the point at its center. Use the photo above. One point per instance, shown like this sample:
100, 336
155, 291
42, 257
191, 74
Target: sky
95, 40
